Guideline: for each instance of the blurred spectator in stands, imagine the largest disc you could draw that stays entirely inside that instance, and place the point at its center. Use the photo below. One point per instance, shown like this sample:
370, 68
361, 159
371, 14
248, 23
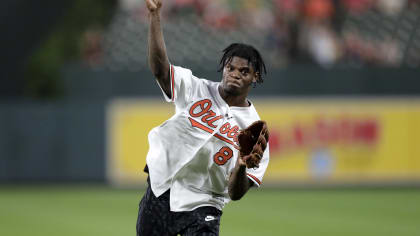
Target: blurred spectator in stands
182, 7
322, 44
200, 6
318, 11
318, 39
219, 16
288, 9
392, 54
280, 39
353, 46
325, 32
91, 48
129, 5
391, 7
358, 6
285, 33
413, 3
360, 51
255, 14
134, 9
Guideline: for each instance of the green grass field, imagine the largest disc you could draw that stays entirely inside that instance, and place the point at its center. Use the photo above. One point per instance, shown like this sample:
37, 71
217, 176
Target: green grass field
103, 211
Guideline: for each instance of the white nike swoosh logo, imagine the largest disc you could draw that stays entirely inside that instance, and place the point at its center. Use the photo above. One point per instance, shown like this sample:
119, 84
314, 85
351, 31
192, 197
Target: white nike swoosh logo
209, 218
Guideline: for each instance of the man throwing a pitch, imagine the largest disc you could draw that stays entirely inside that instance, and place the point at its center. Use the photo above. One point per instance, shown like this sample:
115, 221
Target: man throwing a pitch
211, 151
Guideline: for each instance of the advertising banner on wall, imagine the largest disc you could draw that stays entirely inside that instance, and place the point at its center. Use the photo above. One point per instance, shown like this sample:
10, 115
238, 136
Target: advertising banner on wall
335, 141
129, 122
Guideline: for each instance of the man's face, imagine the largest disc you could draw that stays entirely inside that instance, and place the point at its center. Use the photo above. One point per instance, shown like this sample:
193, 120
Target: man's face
238, 75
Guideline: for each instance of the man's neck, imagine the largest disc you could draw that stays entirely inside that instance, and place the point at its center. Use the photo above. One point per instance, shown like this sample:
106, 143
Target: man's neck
234, 100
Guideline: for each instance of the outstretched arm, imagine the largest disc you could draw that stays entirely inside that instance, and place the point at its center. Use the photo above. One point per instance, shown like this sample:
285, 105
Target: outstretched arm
252, 142
239, 183
158, 59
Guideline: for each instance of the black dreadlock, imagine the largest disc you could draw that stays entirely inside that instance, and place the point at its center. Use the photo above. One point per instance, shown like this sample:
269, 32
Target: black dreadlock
246, 52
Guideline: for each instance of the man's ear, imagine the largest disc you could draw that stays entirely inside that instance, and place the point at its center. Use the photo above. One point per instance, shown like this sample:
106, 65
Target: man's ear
256, 77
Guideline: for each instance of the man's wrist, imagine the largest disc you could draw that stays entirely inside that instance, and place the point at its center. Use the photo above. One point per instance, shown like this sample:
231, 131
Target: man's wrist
241, 167
155, 13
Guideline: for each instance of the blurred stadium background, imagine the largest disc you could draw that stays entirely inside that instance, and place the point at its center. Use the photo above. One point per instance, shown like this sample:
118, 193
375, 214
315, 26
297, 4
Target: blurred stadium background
341, 97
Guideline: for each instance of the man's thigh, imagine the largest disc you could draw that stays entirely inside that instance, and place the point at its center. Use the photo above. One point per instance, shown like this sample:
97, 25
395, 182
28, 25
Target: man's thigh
206, 222
154, 217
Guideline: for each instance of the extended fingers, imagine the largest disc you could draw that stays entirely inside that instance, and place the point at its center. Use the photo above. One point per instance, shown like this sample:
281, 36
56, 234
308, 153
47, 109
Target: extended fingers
258, 151
153, 5
150, 4
262, 142
265, 133
158, 3
252, 161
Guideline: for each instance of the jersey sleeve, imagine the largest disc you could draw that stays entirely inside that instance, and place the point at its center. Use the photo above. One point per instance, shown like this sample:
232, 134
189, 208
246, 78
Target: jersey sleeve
182, 84
257, 174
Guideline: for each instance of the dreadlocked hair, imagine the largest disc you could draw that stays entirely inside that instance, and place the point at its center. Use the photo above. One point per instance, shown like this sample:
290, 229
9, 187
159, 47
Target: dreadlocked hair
246, 52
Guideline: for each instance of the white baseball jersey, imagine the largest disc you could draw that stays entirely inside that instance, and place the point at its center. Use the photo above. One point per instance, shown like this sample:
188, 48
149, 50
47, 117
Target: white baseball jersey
194, 152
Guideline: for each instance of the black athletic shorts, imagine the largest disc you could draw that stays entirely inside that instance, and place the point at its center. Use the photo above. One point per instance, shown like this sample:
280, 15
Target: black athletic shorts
155, 218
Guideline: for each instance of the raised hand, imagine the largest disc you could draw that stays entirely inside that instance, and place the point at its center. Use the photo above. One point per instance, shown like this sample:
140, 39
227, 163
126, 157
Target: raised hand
153, 5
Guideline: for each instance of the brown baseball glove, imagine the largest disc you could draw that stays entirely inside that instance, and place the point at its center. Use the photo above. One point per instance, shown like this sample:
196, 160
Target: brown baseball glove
252, 143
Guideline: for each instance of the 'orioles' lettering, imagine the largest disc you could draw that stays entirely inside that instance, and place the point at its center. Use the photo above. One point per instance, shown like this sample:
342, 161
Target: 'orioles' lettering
210, 118
203, 105
235, 139
233, 132
225, 128
203, 108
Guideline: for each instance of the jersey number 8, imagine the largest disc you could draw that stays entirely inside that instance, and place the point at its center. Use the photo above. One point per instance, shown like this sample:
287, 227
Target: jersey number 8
224, 154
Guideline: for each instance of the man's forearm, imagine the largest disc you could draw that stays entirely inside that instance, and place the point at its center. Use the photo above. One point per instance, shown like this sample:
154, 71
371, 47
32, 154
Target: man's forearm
158, 59
239, 183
